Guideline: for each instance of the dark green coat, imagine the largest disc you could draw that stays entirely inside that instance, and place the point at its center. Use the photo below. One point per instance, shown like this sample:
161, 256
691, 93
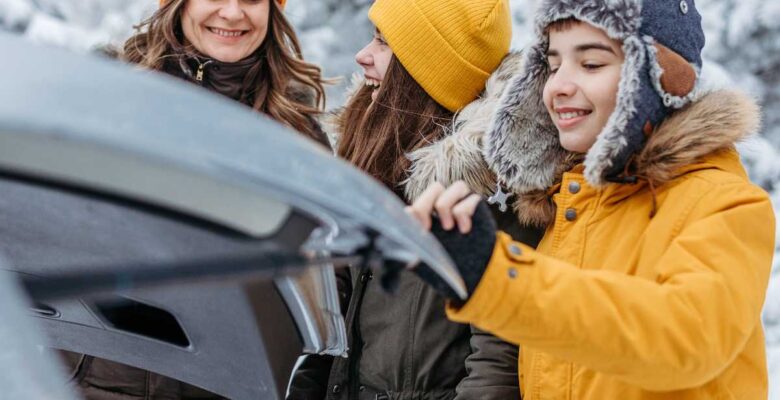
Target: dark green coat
402, 346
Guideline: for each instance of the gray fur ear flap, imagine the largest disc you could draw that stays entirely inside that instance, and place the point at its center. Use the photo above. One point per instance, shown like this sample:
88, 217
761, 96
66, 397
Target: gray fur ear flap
521, 145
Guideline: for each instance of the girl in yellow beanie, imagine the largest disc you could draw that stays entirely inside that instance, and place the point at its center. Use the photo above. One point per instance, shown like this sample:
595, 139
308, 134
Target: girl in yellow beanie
246, 51
432, 75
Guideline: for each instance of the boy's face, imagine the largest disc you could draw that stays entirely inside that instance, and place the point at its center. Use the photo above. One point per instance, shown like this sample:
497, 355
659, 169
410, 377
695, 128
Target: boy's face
580, 94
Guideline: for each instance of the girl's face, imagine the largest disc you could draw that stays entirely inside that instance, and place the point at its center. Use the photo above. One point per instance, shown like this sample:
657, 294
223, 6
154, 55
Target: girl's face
225, 30
581, 92
374, 59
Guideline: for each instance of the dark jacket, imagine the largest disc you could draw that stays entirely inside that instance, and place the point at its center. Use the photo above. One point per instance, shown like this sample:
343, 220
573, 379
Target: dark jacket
402, 346
229, 79
99, 379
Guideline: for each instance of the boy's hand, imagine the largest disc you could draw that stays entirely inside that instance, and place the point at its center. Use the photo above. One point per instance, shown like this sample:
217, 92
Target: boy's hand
471, 245
454, 205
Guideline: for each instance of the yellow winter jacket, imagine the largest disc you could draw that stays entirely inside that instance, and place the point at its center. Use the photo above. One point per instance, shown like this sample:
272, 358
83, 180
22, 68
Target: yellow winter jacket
618, 304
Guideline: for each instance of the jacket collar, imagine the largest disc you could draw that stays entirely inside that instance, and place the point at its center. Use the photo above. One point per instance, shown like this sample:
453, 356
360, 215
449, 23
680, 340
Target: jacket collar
225, 78
699, 137
229, 79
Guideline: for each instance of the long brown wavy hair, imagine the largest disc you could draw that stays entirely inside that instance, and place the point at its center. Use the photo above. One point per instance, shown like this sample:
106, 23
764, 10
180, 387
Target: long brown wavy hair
284, 83
377, 135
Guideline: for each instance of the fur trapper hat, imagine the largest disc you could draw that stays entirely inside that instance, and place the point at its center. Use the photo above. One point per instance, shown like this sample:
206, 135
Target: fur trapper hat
662, 42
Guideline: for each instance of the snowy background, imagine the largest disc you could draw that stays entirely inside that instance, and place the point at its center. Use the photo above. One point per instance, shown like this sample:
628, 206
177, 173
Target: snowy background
743, 43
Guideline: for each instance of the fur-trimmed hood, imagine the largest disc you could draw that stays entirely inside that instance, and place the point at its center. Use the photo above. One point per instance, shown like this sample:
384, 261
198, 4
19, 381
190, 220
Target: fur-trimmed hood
458, 155
682, 143
712, 124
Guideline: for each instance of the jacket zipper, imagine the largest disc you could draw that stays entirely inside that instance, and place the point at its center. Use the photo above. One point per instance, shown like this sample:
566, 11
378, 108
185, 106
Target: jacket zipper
201, 70
352, 374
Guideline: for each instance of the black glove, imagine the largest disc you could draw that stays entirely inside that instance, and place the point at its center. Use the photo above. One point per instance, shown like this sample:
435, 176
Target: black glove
470, 252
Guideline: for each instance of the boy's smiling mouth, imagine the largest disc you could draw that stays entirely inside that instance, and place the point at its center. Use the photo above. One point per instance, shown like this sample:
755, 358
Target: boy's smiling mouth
570, 116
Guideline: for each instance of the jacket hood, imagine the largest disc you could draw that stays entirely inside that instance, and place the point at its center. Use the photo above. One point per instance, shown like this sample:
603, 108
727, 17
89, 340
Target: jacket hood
700, 136
682, 143
458, 155
690, 137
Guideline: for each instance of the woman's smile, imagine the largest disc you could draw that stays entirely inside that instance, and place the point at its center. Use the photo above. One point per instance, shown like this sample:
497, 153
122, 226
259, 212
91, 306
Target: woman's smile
228, 36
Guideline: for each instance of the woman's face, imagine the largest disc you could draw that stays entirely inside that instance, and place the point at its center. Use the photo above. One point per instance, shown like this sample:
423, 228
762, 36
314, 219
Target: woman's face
580, 94
225, 30
374, 59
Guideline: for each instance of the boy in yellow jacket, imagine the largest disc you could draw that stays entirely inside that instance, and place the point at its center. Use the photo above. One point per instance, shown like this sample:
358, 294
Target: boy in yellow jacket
651, 276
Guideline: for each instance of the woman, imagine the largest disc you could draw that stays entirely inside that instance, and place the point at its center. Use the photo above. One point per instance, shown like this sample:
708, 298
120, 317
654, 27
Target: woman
650, 279
428, 62
245, 50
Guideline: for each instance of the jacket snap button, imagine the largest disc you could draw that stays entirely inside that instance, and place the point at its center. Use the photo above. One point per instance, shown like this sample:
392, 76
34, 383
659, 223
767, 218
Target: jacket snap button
336, 389
684, 6
574, 187
512, 273
571, 214
515, 250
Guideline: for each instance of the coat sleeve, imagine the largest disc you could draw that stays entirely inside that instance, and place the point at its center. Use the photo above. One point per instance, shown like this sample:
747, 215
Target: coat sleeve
491, 369
310, 380
675, 332
492, 366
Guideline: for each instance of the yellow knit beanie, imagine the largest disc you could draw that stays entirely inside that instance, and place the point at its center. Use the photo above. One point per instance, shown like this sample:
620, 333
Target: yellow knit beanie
450, 47
281, 2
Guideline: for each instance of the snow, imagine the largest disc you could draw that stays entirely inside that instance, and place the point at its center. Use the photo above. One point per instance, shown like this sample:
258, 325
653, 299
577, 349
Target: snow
743, 50
14, 13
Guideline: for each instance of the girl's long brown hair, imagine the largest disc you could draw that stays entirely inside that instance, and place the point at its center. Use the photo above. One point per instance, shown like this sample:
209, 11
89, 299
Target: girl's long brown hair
376, 136
278, 79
